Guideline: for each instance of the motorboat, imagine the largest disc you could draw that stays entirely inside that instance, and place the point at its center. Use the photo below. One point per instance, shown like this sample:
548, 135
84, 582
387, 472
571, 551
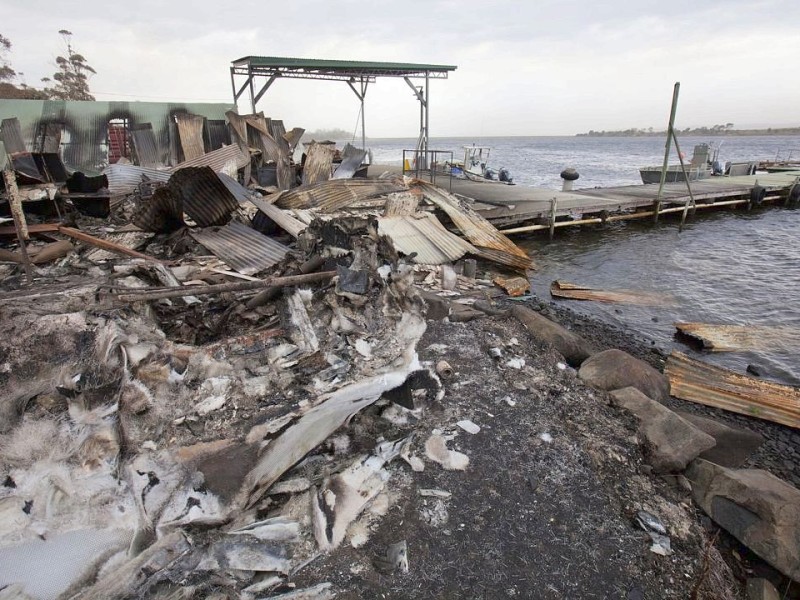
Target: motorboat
475, 167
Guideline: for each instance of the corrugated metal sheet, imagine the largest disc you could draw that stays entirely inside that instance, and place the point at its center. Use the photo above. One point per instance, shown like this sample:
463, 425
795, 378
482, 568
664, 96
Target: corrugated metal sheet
50, 138
319, 160
241, 248
424, 235
144, 143
564, 289
218, 159
293, 137
123, 179
700, 382
278, 131
352, 158
218, 134
494, 245
11, 135
335, 194
190, 131
284, 220
161, 213
205, 198
731, 338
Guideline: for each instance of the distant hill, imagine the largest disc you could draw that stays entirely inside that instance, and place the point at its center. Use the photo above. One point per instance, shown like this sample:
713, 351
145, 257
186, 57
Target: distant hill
702, 131
327, 134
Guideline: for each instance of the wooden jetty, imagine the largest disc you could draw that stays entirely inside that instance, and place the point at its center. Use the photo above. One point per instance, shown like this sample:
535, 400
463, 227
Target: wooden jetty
521, 209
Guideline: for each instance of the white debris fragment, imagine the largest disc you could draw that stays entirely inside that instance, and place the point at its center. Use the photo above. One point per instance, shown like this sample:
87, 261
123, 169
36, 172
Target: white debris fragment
562, 366
513, 342
149, 445
290, 486
210, 404
364, 348
469, 426
661, 544
436, 449
509, 401
434, 493
546, 437
516, 363
437, 348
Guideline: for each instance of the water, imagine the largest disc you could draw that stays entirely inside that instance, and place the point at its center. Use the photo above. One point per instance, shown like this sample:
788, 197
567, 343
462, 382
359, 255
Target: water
728, 267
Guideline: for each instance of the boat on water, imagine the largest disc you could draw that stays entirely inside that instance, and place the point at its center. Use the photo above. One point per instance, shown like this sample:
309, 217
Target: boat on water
779, 165
475, 167
705, 163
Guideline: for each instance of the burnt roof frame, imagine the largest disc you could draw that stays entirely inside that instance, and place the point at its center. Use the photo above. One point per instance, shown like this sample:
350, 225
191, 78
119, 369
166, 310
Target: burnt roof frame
272, 68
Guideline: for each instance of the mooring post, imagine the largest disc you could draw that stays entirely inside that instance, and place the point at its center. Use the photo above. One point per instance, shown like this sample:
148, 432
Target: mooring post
553, 205
670, 136
686, 179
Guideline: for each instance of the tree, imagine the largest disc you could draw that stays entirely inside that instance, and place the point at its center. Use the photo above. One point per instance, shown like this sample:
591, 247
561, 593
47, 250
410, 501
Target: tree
6, 72
72, 77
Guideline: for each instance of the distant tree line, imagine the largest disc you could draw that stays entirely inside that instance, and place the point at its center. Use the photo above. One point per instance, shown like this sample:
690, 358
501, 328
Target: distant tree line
69, 82
726, 129
321, 135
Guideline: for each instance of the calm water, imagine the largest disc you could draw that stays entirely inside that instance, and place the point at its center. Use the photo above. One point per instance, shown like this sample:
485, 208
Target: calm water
728, 267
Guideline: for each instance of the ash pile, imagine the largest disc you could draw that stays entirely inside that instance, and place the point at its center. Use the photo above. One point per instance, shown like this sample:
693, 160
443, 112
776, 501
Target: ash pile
183, 379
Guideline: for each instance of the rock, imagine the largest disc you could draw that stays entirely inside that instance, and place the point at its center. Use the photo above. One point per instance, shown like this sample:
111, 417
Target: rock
437, 307
761, 589
757, 508
572, 347
734, 445
671, 442
615, 369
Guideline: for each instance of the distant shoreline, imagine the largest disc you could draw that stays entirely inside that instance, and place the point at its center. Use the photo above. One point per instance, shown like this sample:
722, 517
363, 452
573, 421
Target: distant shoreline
707, 131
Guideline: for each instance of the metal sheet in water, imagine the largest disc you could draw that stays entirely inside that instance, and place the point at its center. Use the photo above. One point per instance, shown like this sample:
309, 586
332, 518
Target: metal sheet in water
330, 196
240, 247
352, 158
572, 291
190, 131
700, 382
731, 338
422, 234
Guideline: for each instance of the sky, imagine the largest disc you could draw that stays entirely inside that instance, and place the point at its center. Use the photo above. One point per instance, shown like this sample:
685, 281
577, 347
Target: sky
539, 67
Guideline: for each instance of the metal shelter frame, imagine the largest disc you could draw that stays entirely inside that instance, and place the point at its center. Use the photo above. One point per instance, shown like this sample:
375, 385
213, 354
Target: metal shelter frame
357, 74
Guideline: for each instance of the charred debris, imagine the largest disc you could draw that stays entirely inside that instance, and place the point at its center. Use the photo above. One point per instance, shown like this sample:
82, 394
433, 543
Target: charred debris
182, 346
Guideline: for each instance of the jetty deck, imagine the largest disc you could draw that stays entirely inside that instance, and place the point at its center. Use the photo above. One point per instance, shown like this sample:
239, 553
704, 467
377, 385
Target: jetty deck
511, 206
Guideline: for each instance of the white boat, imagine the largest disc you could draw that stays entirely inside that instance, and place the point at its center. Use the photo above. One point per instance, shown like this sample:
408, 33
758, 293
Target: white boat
475, 167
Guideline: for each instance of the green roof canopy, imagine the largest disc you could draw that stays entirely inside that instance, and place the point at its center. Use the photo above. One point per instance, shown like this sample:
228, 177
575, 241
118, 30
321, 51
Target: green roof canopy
314, 68
357, 74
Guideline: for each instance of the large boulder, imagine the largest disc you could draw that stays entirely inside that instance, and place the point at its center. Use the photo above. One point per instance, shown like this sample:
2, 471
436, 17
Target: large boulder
615, 369
757, 508
734, 445
671, 442
572, 347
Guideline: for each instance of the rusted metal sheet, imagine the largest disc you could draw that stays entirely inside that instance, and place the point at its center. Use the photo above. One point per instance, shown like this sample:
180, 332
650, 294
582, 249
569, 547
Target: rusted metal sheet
571, 291
241, 248
319, 159
730, 338
493, 245
422, 234
190, 132
352, 158
401, 204
205, 198
514, 286
145, 146
124, 179
700, 382
11, 135
49, 140
332, 195
278, 133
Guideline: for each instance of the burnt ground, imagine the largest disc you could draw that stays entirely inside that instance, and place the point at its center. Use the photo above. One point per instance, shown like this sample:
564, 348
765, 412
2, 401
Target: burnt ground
528, 518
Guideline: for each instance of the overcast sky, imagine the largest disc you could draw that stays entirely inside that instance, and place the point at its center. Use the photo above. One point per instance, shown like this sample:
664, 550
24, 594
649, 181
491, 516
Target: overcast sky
524, 68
